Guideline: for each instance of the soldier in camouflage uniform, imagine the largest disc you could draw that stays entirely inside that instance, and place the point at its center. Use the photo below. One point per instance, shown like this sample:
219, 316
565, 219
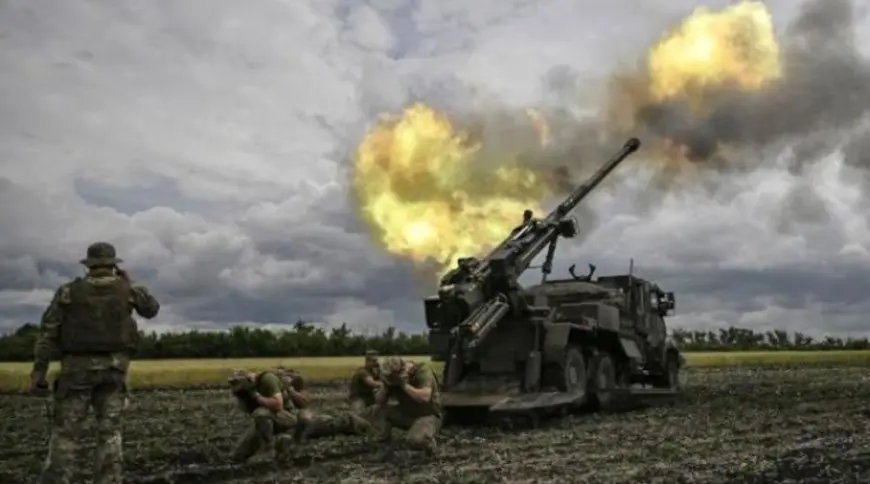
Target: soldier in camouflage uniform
418, 408
364, 385
277, 403
89, 324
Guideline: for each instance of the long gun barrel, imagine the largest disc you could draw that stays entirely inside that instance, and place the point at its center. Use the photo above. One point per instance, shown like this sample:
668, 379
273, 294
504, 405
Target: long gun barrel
580, 192
506, 250
524, 246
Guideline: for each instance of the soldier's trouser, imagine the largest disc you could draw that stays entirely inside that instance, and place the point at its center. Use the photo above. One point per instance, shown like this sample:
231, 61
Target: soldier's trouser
359, 407
264, 426
421, 430
347, 423
74, 394
366, 418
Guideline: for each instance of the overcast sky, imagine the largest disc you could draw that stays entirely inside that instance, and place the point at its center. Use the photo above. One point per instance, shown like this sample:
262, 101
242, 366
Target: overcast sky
209, 139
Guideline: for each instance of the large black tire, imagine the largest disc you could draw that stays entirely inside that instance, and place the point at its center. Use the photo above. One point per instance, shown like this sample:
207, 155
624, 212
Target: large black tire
602, 381
672, 377
569, 375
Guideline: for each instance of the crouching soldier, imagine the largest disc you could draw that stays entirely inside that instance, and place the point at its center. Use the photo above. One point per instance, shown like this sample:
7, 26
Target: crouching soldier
277, 402
418, 405
364, 385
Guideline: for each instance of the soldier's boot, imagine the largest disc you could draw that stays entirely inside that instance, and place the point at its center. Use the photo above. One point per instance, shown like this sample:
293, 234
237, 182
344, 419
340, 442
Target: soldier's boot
266, 432
428, 447
247, 446
431, 451
284, 445
359, 425
386, 439
256, 438
302, 430
349, 424
241, 455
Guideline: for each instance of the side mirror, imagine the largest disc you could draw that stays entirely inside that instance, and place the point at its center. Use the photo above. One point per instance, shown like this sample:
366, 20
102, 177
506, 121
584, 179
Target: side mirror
668, 304
432, 307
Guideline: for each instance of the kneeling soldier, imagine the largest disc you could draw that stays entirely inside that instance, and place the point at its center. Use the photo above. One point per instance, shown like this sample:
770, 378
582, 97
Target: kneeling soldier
418, 404
276, 401
364, 385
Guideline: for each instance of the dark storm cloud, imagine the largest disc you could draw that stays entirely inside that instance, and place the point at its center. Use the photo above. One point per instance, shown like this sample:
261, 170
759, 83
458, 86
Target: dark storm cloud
145, 194
802, 205
24, 272
382, 288
857, 151
785, 287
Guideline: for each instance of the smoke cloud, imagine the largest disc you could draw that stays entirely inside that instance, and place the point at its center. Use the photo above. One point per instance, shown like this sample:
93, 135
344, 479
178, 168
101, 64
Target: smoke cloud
823, 92
743, 101
814, 108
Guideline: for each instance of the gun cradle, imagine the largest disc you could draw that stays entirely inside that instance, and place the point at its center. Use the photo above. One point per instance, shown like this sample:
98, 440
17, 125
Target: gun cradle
484, 319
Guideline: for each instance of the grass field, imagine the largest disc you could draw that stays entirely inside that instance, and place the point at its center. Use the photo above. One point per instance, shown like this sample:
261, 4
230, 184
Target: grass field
146, 374
745, 424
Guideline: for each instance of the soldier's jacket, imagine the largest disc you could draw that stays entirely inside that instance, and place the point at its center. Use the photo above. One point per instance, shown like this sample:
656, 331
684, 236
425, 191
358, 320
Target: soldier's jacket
70, 308
420, 376
358, 388
268, 383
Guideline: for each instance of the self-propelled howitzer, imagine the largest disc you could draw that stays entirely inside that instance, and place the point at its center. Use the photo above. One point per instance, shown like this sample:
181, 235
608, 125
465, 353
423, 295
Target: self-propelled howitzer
503, 347
473, 297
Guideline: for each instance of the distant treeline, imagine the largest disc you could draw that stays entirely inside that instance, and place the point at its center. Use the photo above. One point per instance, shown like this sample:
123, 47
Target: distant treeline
742, 339
304, 339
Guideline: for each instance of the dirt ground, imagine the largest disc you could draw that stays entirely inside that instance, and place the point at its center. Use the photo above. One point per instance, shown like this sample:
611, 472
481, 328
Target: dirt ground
734, 425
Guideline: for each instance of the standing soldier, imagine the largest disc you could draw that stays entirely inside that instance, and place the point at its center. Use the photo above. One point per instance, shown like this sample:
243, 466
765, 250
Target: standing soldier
89, 324
418, 408
366, 382
277, 402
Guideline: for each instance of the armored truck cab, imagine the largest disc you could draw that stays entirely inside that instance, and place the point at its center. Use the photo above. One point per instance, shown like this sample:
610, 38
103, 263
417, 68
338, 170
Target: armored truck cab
619, 318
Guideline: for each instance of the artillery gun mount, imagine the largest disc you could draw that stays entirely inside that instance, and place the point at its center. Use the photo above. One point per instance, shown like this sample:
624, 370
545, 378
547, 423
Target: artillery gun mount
556, 346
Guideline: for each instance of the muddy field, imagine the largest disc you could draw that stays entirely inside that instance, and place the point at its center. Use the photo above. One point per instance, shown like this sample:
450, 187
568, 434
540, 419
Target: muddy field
764, 425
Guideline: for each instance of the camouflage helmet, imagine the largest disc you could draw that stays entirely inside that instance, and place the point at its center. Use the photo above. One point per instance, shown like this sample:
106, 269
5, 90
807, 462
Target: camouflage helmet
393, 365
372, 355
284, 371
238, 380
290, 376
240, 373
101, 254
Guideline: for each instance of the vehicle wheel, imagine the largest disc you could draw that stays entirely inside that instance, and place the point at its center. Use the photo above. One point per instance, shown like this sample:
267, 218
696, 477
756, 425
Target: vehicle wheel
573, 371
603, 381
673, 376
